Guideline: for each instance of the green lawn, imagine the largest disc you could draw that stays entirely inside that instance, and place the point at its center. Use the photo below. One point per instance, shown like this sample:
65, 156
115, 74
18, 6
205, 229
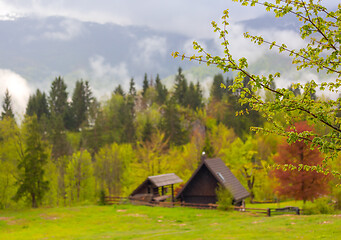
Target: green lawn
141, 222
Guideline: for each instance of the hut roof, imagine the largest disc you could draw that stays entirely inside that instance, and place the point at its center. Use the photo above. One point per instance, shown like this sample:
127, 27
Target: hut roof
165, 179
159, 181
224, 176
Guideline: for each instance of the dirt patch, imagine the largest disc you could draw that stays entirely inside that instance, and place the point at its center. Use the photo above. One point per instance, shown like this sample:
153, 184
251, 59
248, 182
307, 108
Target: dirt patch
5, 219
136, 215
255, 222
121, 210
49, 217
12, 221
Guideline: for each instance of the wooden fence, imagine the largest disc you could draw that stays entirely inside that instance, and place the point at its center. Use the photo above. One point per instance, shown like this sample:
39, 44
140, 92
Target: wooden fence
110, 200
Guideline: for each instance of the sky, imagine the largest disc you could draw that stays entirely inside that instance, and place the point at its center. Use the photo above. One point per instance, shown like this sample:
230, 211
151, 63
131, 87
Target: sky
183, 16
187, 17
192, 18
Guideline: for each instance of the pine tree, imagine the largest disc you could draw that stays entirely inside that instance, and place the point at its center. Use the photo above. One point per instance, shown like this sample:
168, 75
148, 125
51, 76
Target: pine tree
147, 131
58, 97
161, 90
58, 139
7, 110
191, 97
181, 88
31, 181
81, 101
132, 89
119, 90
217, 92
145, 85
58, 103
37, 104
199, 95
126, 117
171, 125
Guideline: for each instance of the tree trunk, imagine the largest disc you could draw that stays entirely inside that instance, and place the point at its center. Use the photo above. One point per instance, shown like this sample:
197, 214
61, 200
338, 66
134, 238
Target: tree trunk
34, 201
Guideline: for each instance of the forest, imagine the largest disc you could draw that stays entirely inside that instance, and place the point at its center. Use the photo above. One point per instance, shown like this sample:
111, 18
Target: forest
71, 148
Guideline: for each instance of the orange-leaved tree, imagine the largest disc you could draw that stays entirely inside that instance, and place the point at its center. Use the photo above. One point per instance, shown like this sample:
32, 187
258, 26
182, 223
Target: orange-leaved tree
296, 181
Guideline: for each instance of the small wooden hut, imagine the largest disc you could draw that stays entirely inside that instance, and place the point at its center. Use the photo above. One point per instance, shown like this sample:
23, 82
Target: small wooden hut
201, 187
154, 188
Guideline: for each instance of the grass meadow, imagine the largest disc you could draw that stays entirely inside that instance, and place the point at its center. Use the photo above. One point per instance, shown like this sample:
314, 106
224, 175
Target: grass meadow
142, 222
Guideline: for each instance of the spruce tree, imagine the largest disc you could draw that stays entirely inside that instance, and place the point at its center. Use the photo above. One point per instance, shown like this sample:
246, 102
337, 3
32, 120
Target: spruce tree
37, 104
171, 125
81, 101
132, 89
7, 110
61, 118
126, 118
147, 131
58, 102
198, 96
119, 90
181, 88
217, 92
145, 85
161, 90
191, 97
31, 180
58, 97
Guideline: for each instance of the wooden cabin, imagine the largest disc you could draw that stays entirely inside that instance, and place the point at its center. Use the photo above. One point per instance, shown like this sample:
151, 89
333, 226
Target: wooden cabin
156, 188
201, 187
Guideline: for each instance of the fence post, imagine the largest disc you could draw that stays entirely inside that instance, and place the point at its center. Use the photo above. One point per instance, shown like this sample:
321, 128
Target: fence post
268, 211
298, 211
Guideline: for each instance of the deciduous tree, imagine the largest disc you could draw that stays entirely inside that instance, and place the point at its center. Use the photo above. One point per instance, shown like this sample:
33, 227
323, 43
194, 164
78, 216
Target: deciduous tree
79, 177
301, 185
110, 167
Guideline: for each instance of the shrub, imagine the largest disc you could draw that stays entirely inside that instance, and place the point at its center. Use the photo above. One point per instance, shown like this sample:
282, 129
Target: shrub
225, 199
102, 198
319, 206
337, 198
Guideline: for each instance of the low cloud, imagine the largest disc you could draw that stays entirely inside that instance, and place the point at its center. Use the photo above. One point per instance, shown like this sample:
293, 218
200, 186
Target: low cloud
240, 47
69, 30
18, 89
109, 76
149, 49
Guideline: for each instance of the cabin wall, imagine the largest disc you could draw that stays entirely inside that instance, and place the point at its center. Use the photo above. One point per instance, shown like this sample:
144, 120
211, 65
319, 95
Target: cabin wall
146, 188
201, 189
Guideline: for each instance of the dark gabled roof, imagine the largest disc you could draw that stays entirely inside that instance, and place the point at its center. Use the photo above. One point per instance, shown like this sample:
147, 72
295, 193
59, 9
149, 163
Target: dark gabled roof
159, 181
165, 179
224, 176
